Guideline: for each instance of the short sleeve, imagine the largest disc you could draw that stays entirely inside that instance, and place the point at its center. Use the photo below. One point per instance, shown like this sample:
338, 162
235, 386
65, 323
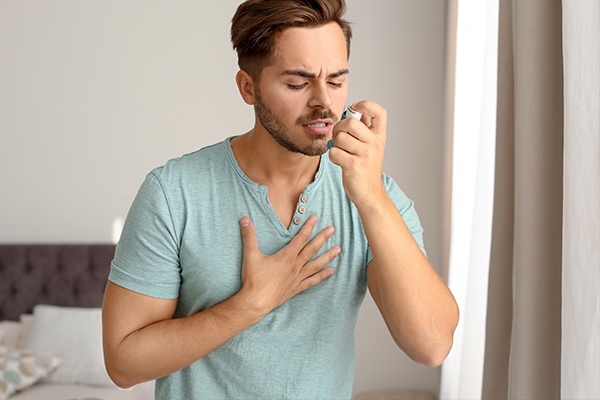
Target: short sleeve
147, 256
406, 208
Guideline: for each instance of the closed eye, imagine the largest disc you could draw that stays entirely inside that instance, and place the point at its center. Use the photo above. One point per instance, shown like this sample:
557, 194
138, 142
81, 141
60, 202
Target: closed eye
296, 87
302, 86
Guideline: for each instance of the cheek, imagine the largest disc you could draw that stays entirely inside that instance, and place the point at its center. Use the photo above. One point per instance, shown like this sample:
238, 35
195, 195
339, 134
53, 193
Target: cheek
286, 109
280, 103
339, 104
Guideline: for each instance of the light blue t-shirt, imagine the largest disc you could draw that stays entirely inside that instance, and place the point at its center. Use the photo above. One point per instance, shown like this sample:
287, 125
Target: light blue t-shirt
182, 240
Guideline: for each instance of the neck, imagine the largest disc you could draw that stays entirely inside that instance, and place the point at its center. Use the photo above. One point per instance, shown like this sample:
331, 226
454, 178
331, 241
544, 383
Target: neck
267, 163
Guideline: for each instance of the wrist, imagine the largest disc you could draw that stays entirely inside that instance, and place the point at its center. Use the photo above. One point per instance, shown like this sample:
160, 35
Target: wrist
374, 201
251, 305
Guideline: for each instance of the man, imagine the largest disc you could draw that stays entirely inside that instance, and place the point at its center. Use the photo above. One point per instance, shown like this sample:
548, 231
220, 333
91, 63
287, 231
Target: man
242, 266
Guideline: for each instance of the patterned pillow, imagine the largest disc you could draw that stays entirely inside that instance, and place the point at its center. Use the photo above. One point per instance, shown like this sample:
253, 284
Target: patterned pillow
20, 369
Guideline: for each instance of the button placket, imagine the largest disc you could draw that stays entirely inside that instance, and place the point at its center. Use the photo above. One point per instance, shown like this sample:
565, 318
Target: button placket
301, 210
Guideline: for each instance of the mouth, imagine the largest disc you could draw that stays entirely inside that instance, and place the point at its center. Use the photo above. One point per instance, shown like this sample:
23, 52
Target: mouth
317, 124
319, 127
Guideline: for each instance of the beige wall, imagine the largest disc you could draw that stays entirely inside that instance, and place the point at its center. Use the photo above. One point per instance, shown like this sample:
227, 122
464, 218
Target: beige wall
94, 94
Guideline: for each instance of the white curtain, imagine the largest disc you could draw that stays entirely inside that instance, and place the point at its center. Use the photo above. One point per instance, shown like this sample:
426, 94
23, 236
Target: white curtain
580, 356
575, 370
474, 135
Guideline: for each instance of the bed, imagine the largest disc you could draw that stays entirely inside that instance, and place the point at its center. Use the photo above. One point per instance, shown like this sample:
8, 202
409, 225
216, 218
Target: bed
50, 324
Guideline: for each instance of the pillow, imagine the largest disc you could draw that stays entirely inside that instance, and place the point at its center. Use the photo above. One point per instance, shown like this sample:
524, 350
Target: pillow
9, 333
75, 335
20, 369
25, 320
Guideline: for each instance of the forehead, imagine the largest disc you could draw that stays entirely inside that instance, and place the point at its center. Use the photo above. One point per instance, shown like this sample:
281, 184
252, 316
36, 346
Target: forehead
315, 49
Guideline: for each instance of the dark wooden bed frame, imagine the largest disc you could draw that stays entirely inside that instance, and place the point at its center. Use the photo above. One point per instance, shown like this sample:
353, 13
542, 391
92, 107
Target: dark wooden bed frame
72, 275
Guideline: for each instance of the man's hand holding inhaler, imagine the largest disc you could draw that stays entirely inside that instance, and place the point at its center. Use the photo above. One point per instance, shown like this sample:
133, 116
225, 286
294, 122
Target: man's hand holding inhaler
358, 148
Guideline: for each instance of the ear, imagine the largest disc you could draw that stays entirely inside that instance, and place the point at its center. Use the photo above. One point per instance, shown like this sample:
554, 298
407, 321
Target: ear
245, 85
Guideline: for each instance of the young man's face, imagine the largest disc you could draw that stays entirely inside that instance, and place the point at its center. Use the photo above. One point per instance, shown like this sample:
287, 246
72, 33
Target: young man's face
302, 95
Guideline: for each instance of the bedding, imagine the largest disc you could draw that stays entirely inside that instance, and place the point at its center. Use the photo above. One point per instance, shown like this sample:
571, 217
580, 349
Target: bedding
75, 335
21, 369
56, 353
50, 324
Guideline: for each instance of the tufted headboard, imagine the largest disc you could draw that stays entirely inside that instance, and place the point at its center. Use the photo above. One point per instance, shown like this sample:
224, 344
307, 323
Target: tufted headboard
62, 275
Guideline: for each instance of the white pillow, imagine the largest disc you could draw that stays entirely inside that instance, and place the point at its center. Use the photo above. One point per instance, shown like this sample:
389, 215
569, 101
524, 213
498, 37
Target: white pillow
9, 333
25, 320
14, 333
75, 335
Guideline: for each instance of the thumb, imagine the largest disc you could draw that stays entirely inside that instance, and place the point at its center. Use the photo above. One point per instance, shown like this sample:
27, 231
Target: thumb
248, 235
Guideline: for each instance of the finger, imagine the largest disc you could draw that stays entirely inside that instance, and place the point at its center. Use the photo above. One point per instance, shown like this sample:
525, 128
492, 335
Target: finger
314, 279
248, 236
342, 158
319, 263
348, 143
352, 127
366, 119
299, 241
315, 245
377, 113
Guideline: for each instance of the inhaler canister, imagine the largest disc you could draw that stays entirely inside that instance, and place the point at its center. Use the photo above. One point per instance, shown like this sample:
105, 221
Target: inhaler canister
350, 113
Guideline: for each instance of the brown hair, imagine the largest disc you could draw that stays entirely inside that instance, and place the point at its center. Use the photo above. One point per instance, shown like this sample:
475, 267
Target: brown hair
256, 24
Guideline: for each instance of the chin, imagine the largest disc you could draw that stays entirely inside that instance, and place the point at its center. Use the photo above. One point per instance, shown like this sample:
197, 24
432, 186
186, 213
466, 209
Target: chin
317, 148
313, 152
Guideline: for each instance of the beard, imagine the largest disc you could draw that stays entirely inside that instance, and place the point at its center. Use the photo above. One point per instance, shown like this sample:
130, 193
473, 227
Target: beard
317, 145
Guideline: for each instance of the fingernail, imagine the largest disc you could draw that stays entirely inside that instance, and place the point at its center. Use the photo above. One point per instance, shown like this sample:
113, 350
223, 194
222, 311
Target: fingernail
330, 144
244, 222
338, 251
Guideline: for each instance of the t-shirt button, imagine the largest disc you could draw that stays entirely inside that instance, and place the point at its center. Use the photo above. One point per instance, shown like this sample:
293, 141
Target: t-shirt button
297, 221
301, 210
304, 199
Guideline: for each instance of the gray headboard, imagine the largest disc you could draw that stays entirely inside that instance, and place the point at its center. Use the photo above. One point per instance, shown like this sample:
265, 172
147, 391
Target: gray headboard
62, 275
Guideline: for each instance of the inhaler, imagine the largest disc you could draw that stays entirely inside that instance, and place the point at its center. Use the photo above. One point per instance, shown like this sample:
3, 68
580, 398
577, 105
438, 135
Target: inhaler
348, 113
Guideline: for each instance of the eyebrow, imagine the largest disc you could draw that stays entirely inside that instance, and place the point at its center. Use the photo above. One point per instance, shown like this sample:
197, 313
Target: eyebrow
306, 74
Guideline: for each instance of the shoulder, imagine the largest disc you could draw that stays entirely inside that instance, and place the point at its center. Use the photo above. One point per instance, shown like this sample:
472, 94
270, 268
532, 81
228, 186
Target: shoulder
192, 166
401, 200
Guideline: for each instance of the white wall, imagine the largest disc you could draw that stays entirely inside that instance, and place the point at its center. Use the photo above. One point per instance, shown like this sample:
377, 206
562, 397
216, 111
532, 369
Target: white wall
94, 94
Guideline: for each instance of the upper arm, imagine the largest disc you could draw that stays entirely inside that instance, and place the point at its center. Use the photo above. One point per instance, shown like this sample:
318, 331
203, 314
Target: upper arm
125, 311
372, 284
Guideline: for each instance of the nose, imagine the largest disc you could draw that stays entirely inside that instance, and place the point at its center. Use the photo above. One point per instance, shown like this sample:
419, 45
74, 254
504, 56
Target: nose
320, 96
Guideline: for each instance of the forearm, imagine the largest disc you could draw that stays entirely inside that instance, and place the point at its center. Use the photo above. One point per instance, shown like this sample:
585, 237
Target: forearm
417, 306
164, 347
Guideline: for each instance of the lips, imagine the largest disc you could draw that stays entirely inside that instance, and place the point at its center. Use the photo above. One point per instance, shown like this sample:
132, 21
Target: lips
319, 127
